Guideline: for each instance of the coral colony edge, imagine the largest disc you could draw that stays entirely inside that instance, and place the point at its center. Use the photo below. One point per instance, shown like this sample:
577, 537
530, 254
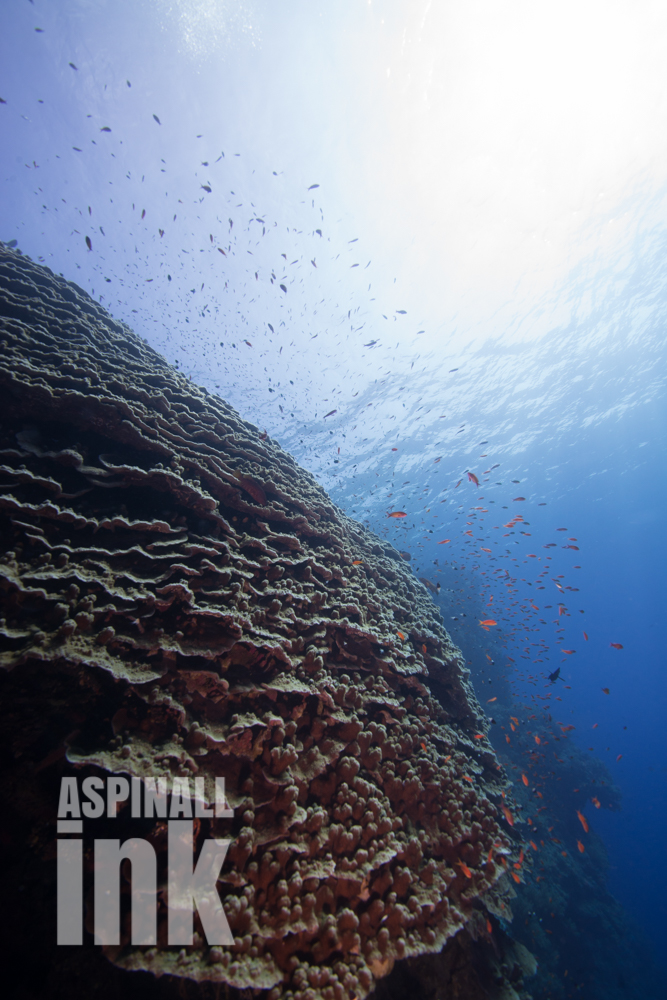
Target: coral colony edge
180, 603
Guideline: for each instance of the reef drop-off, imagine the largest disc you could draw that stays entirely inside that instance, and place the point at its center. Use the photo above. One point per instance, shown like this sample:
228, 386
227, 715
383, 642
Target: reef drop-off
179, 598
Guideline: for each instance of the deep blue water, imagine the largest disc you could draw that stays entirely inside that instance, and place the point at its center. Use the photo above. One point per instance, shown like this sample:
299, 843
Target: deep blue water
361, 354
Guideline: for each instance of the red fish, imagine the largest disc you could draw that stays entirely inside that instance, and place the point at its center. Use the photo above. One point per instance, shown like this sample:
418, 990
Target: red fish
524, 778
357, 562
596, 802
516, 878
616, 645
489, 700
508, 815
400, 635
472, 478
488, 622
444, 541
253, 488
585, 636
581, 846
395, 513
489, 928
464, 868
583, 821
518, 498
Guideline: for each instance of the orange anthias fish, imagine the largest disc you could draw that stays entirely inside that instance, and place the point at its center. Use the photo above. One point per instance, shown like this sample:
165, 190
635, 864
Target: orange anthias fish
444, 541
508, 815
516, 877
464, 868
583, 821
596, 802
616, 645
397, 513
488, 621
489, 700
357, 562
400, 635
581, 846
524, 778
489, 928
472, 478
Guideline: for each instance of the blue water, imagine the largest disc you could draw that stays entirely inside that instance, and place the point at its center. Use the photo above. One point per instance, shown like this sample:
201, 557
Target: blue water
390, 351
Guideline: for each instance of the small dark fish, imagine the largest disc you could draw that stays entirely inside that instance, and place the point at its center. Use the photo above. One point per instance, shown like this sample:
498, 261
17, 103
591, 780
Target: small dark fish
283, 289
371, 343
205, 187
555, 675
402, 312
313, 262
2, 100
73, 66
143, 214
329, 414
452, 370
270, 328
88, 243
220, 250
105, 129
77, 149
313, 186
157, 119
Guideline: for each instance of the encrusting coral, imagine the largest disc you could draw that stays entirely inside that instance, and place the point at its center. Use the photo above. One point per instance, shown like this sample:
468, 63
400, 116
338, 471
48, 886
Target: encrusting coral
179, 598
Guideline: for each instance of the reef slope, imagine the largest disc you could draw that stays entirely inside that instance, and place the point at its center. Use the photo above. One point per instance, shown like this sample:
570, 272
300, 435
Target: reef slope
179, 598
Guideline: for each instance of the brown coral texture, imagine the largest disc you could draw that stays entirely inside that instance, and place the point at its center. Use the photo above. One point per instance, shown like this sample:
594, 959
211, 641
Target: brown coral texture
194, 591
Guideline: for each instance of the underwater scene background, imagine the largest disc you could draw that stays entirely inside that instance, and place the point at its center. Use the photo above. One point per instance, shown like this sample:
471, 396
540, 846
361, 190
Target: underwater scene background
422, 248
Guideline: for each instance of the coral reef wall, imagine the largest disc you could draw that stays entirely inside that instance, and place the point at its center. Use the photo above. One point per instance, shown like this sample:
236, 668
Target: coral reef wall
179, 598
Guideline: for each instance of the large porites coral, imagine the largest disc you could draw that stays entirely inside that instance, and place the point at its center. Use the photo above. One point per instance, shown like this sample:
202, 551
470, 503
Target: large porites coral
179, 598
